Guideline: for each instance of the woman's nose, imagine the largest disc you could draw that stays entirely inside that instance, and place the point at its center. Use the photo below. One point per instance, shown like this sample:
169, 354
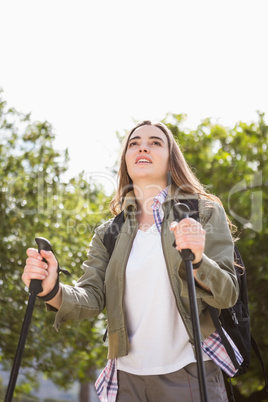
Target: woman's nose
144, 148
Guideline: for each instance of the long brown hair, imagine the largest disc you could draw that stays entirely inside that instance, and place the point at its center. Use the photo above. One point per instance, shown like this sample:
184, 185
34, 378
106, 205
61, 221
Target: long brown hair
180, 172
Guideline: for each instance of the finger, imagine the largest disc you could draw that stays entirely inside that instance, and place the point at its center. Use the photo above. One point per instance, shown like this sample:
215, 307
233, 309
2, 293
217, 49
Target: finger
28, 276
31, 270
185, 221
191, 239
191, 231
190, 227
49, 257
36, 263
32, 252
184, 224
194, 246
173, 226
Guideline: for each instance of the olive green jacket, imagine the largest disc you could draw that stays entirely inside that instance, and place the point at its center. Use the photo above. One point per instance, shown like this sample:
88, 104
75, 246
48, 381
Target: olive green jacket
103, 282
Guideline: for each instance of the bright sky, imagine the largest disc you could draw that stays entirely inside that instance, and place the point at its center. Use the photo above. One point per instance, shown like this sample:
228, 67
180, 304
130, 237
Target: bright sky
90, 67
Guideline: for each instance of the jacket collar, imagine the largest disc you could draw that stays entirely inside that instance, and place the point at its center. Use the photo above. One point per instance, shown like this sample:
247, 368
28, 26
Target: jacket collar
174, 193
130, 204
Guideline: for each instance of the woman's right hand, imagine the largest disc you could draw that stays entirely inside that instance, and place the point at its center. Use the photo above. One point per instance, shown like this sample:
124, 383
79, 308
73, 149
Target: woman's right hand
36, 268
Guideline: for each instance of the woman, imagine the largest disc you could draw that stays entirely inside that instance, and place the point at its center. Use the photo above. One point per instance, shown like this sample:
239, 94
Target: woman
143, 284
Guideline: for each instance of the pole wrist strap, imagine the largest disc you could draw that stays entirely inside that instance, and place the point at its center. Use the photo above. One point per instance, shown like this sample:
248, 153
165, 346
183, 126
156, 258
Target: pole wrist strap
55, 290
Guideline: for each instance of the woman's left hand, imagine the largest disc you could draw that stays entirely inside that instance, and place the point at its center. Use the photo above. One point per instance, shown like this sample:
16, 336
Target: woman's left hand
189, 234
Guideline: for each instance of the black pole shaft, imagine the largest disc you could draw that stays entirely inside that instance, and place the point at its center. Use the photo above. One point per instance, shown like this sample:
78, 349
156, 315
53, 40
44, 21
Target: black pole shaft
196, 331
34, 288
182, 211
20, 348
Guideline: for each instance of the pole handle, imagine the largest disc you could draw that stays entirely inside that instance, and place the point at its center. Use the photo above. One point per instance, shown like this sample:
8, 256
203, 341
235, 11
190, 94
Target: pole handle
36, 284
182, 211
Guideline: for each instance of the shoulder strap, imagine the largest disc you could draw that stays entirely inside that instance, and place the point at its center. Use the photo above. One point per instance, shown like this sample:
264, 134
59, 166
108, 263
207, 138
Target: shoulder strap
258, 354
112, 232
214, 316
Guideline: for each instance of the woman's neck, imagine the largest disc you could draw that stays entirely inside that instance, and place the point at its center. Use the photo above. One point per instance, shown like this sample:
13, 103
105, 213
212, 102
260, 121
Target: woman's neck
145, 198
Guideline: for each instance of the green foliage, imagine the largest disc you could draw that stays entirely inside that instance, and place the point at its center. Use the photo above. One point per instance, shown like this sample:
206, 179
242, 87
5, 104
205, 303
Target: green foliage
2, 391
53, 400
35, 200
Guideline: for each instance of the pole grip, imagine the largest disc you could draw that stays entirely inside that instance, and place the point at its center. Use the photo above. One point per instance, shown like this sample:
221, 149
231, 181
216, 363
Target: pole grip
182, 211
36, 284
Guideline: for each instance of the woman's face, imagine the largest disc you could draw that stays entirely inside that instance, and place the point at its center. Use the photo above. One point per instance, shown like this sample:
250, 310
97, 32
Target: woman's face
147, 156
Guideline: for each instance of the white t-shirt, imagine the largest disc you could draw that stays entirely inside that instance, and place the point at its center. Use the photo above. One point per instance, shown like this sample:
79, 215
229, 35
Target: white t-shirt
159, 342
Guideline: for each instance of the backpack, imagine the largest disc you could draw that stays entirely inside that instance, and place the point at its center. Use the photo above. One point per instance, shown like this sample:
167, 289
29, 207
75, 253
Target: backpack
235, 320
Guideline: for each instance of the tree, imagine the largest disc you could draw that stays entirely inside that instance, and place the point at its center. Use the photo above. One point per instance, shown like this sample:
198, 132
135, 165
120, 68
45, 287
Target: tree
232, 163
35, 200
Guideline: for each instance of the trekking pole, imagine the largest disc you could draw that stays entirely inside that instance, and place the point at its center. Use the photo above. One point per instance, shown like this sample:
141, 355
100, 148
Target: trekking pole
182, 211
34, 288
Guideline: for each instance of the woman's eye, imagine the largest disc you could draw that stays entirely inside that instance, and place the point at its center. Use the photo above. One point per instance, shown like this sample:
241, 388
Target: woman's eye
157, 143
131, 144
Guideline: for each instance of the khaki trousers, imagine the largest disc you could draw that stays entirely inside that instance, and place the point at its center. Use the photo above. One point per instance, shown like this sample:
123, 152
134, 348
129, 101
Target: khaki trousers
182, 385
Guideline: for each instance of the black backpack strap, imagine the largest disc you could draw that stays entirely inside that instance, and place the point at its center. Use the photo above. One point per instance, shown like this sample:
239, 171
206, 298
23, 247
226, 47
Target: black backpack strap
258, 354
112, 232
232, 397
109, 240
214, 316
